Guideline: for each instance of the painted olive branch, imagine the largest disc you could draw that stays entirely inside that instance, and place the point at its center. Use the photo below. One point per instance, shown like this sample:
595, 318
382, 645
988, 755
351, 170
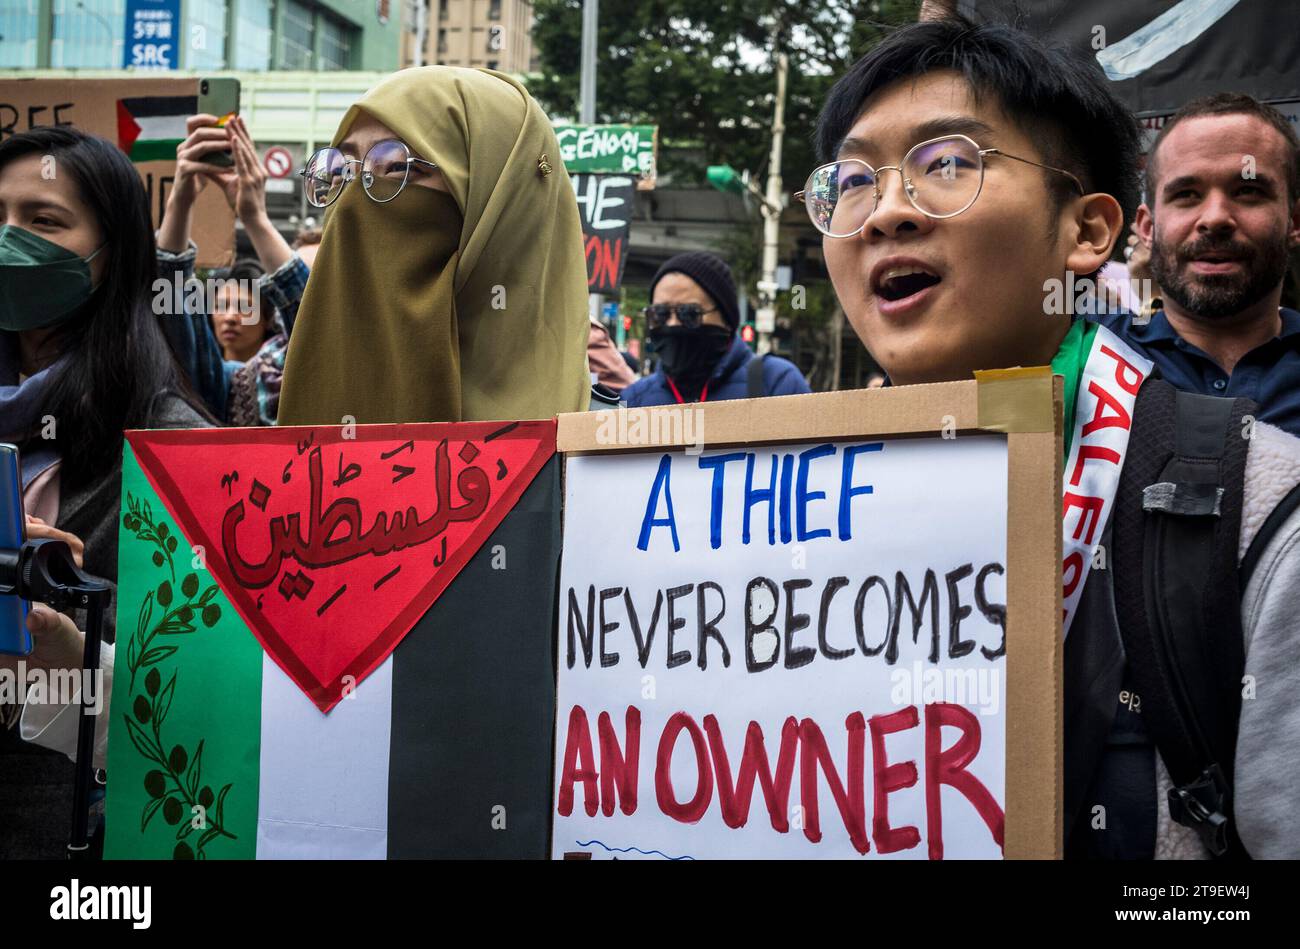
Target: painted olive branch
139, 520
174, 787
178, 620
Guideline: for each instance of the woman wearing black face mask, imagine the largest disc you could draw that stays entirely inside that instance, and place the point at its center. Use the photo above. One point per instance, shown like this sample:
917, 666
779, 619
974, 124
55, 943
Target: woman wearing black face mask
82, 358
692, 322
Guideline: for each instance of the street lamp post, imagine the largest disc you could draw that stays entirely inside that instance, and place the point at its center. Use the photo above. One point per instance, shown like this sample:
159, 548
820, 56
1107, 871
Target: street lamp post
421, 30
108, 28
765, 316
587, 102
85, 9
770, 205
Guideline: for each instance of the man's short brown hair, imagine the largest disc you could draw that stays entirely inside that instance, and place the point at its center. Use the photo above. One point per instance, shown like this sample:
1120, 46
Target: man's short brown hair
1230, 103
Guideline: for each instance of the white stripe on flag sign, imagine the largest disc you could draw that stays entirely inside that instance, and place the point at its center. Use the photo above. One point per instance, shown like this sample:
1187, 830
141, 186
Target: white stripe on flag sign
324, 778
164, 128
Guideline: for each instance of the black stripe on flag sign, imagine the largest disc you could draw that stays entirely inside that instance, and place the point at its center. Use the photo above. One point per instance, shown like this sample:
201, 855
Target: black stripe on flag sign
147, 107
473, 700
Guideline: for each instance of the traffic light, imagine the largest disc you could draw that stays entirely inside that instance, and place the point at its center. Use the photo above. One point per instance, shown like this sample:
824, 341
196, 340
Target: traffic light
627, 324
747, 333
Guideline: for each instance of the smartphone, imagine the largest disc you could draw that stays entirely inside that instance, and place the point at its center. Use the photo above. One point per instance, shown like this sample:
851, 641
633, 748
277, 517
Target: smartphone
219, 97
15, 640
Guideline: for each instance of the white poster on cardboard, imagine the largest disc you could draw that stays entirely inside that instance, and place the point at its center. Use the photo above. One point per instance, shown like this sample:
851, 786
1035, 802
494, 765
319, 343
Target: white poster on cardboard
784, 652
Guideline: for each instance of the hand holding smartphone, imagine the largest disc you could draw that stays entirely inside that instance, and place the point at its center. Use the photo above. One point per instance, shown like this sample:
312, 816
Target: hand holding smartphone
219, 97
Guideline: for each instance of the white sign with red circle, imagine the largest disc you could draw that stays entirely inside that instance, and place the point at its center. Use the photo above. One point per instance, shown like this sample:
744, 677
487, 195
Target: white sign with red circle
278, 162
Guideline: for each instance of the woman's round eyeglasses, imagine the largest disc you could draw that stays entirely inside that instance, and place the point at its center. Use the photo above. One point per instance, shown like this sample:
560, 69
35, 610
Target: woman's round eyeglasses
942, 177
384, 172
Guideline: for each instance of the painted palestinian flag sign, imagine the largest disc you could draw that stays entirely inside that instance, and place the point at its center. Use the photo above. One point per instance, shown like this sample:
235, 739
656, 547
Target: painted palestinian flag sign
335, 642
149, 128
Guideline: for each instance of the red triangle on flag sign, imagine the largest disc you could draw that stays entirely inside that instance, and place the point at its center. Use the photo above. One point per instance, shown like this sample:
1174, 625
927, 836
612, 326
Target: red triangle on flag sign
128, 129
332, 547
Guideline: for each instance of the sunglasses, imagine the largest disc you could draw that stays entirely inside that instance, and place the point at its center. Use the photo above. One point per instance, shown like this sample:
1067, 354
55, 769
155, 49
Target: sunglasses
690, 315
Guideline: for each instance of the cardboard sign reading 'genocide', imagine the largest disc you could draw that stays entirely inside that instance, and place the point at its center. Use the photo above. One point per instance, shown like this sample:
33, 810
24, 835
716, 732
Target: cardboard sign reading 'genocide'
610, 149
795, 650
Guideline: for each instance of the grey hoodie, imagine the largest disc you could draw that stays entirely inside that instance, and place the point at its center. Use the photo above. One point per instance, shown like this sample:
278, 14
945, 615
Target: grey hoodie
1267, 767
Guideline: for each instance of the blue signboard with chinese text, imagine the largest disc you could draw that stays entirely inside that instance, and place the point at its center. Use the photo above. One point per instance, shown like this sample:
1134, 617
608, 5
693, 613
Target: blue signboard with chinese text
152, 34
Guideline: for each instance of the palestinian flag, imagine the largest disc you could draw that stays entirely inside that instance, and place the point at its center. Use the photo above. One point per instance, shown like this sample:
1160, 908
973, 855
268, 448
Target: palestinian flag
149, 128
335, 642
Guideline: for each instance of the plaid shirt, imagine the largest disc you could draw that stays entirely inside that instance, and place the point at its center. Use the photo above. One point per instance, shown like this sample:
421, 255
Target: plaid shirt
195, 343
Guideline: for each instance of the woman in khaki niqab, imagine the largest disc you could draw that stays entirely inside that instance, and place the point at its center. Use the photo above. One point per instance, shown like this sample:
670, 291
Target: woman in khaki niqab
463, 305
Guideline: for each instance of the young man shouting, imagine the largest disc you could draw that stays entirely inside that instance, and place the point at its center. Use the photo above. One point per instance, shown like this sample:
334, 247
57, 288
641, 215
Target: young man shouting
968, 172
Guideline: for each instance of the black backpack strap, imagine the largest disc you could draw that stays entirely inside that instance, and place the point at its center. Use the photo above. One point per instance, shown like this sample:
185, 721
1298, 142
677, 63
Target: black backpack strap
1094, 675
754, 379
1178, 519
1272, 524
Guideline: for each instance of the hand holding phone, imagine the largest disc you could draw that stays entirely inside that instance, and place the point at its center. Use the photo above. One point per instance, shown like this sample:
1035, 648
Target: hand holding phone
219, 98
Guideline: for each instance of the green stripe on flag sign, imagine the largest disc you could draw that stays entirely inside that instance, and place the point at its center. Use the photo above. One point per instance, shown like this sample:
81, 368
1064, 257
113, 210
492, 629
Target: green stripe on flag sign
185, 732
161, 149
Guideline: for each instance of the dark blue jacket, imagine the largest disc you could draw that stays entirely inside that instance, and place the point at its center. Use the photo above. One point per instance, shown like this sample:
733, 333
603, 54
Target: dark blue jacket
1268, 375
730, 380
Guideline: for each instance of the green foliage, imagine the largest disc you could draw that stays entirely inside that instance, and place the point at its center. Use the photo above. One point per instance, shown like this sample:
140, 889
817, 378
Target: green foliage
703, 71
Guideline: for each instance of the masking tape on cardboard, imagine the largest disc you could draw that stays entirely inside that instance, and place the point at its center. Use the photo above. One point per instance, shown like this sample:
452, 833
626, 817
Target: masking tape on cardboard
1016, 400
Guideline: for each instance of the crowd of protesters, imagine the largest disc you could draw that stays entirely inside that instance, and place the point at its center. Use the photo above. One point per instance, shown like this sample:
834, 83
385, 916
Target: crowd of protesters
449, 284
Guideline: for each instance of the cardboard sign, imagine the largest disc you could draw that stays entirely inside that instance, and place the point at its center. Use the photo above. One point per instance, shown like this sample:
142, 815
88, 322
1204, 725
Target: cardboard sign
787, 631
215, 749
609, 149
143, 117
605, 204
306, 524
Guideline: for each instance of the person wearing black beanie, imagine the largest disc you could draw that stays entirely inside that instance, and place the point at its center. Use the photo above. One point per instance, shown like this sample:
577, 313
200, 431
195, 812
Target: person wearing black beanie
691, 323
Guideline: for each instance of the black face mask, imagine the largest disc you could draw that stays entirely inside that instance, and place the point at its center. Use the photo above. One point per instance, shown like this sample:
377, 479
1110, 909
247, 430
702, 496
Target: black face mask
689, 356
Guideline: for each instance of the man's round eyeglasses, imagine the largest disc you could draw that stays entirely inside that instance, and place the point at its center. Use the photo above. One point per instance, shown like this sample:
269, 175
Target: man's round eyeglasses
942, 177
385, 170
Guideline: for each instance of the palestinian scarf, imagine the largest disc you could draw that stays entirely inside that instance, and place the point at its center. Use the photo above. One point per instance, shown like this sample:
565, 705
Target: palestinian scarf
1103, 375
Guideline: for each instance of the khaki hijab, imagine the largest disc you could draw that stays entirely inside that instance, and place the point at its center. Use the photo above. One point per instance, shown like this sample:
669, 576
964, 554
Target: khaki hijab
418, 310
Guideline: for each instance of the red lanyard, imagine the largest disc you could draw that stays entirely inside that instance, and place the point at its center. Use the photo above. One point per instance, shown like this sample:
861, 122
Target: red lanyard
704, 393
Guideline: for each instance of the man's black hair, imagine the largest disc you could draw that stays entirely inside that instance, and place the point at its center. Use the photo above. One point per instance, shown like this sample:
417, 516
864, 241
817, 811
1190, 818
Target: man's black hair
1229, 103
1059, 97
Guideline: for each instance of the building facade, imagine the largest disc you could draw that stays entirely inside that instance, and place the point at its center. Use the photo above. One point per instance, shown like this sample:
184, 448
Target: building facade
496, 34
244, 35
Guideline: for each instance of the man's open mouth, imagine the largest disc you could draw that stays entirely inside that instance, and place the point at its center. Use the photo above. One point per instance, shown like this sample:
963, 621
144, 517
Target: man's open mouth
899, 283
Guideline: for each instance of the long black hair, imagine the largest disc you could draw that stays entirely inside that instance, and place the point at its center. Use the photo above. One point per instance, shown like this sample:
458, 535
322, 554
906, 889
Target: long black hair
116, 358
